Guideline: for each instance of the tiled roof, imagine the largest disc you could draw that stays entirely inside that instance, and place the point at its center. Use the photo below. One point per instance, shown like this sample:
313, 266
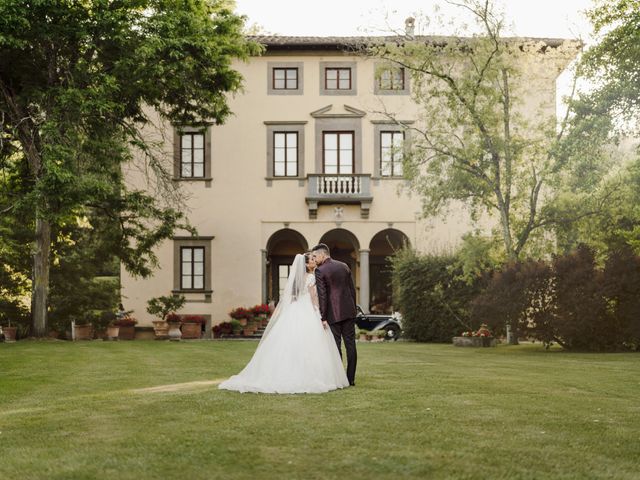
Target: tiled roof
277, 42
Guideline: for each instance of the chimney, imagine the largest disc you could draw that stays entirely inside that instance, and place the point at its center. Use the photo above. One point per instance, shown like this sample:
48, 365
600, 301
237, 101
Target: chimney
409, 26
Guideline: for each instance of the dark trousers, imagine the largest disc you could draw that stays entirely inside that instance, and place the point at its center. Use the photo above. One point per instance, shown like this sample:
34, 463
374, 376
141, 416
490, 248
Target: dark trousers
346, 330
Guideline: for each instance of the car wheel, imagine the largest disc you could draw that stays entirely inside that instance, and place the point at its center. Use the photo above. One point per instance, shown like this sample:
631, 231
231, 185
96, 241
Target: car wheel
392, 333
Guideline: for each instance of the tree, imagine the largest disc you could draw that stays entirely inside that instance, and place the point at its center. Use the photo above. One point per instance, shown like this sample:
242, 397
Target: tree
77, 82
474, 143
613, 63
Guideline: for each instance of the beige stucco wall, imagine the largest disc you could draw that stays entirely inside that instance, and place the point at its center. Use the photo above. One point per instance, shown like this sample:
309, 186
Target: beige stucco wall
241, 209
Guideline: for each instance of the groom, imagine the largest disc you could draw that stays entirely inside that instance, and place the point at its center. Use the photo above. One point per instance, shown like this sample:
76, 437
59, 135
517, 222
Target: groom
337, 299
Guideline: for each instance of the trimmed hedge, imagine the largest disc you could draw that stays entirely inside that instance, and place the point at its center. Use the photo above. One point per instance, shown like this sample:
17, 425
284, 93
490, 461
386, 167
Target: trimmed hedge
431, 295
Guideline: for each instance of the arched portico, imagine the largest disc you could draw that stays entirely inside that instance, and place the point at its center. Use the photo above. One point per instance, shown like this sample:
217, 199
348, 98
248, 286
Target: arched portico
382, 246
282, 247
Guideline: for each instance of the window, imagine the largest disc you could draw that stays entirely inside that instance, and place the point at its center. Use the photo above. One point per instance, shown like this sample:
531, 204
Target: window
285, 154
391, 78
192, 268
337, 152
337, 78
285, 78
192, 155
283, 275
391, 153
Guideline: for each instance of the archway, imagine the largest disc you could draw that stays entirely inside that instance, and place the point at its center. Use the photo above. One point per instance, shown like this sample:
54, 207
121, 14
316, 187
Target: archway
282, 248
382, 246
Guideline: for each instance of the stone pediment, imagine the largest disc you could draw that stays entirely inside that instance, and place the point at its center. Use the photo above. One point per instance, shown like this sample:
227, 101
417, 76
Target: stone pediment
330, 112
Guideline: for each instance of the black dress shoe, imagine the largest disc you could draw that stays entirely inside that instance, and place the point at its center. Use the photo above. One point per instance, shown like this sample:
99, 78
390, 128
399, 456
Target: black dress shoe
352, 384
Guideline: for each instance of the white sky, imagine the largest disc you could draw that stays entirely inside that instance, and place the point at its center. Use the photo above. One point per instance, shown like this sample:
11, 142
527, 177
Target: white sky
530, 18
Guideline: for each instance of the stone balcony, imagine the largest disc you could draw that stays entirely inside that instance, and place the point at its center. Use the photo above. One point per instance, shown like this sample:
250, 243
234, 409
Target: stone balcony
339, 188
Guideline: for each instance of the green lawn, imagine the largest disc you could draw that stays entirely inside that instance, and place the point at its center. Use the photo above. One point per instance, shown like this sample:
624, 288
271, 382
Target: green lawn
71, 411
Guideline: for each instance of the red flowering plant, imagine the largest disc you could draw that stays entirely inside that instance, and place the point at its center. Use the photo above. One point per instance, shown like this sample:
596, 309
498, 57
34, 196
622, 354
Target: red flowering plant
194, 319
241, 312
483, 331
173, 318
262, 309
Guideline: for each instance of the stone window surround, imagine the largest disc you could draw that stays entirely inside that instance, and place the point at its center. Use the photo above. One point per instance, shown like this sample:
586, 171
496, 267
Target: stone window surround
200, 241
285, 126
386, 126
177, 152
376, 80
328, 124
273, 91
354, 78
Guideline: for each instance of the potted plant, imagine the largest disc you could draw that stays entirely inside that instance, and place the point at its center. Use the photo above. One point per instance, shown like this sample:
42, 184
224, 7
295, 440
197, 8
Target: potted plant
162, 307
242, 315
9, 332
174, 322
261, 313
126, 327
236, 327
224, 328
192, 326
82, 328
362, 334
378, 335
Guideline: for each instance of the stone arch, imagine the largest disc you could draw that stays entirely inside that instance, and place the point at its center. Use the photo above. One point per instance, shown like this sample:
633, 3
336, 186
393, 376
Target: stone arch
281, 249
382, 246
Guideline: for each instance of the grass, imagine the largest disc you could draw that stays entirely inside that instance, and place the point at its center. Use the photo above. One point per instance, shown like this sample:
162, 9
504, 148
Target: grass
75, 411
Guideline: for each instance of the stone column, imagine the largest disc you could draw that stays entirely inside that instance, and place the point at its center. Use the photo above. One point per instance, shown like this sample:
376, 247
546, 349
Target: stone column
364, 280
264, 276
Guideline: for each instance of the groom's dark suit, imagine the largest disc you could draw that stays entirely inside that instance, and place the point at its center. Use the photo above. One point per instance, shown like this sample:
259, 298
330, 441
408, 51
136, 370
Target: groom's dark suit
337, 301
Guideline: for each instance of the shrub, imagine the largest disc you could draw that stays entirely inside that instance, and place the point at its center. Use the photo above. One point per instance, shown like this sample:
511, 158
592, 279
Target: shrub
520, 295
580, 321
432, 295
621, 287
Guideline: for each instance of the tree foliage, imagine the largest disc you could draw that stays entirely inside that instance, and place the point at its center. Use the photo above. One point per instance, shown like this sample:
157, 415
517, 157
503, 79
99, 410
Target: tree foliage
475, 143
78, 81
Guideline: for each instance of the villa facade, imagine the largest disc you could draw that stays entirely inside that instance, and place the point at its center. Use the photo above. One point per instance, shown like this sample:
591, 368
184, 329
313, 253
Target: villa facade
305, 159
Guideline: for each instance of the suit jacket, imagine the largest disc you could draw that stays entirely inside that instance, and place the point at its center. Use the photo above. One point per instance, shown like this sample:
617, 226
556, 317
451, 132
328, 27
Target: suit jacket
336, 293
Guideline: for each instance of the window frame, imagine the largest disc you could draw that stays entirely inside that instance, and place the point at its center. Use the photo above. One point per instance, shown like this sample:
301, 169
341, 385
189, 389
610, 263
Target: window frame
353, 155
338, 78
193, 248
192, 149
286, 153
286, 78
352, 66
270, 78
392, 161
205, 242
378, 89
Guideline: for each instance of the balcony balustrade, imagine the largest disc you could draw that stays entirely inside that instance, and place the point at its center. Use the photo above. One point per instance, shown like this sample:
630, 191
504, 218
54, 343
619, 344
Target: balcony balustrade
339, 188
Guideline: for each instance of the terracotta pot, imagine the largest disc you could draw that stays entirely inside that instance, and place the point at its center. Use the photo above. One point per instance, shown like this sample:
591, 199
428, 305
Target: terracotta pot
247, 331
161, 329
9, 334
191, 330
174, 331
83, 332
113, 331
126, 333
362, 338
243, 321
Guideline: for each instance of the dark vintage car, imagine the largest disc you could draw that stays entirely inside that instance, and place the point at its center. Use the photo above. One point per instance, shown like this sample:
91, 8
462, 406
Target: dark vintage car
390, 323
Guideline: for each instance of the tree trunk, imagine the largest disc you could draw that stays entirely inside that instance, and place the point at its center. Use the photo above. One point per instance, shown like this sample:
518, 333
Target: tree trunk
42, 247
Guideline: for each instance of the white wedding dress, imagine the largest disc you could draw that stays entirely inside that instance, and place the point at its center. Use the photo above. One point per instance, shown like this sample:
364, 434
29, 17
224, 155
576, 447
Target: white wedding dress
296, 353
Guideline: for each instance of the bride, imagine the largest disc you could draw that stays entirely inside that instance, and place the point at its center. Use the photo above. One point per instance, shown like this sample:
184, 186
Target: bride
296, 353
